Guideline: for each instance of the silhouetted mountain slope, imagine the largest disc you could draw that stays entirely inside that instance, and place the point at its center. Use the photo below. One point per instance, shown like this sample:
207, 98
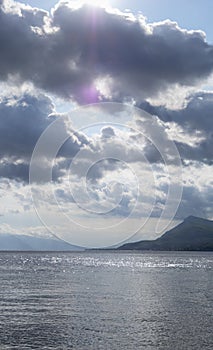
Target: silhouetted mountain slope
32, 243
192, 234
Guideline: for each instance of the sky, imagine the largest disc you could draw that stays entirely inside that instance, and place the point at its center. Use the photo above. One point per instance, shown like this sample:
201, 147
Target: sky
105, 118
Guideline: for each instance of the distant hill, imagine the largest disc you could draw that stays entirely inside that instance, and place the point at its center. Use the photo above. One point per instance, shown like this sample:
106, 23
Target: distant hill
10, 242
192, 234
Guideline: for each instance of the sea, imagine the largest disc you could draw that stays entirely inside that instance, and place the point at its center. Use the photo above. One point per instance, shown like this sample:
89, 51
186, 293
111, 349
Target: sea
106, 300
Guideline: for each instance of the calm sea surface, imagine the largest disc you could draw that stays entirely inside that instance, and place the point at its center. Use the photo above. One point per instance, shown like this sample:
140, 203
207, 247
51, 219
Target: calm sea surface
111, 301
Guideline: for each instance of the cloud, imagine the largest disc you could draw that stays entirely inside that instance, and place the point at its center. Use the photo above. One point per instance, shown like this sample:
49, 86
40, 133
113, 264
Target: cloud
23, 118
31, 113
195, 202
195, 123
197, 114
69, 51
107, 132
16, 171
89, 54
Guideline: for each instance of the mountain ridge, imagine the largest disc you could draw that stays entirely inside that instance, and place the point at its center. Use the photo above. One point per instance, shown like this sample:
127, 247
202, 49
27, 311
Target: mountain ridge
15, 242
193, 233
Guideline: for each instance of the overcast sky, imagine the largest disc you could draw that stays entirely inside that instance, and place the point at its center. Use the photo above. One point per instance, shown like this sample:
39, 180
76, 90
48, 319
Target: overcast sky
106, 117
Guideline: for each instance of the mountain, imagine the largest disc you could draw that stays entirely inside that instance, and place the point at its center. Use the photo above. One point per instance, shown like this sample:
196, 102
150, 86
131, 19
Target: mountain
192, 234
31, 243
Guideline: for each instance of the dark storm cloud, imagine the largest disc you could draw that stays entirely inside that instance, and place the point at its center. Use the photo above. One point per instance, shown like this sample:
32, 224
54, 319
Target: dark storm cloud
107, 132
203, 152
22, 121
17, 171
20, 46
67, 52
195, 117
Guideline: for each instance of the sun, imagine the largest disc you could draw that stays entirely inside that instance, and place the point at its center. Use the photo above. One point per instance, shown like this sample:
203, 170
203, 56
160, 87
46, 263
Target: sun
98, 3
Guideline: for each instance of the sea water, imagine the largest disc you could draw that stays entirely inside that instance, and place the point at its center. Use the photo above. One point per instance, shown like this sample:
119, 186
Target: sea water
106, 300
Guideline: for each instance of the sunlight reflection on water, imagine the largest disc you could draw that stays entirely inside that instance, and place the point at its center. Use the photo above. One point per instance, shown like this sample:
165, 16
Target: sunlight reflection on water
96, 300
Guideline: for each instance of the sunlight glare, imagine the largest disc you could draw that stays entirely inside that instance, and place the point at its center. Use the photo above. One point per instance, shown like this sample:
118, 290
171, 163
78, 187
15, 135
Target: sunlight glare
98, 3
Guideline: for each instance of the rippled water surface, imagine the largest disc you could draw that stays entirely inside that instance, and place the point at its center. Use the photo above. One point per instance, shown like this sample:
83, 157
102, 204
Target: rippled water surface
109, 301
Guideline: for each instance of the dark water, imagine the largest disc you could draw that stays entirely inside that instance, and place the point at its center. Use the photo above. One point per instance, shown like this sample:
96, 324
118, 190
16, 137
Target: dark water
106, 301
